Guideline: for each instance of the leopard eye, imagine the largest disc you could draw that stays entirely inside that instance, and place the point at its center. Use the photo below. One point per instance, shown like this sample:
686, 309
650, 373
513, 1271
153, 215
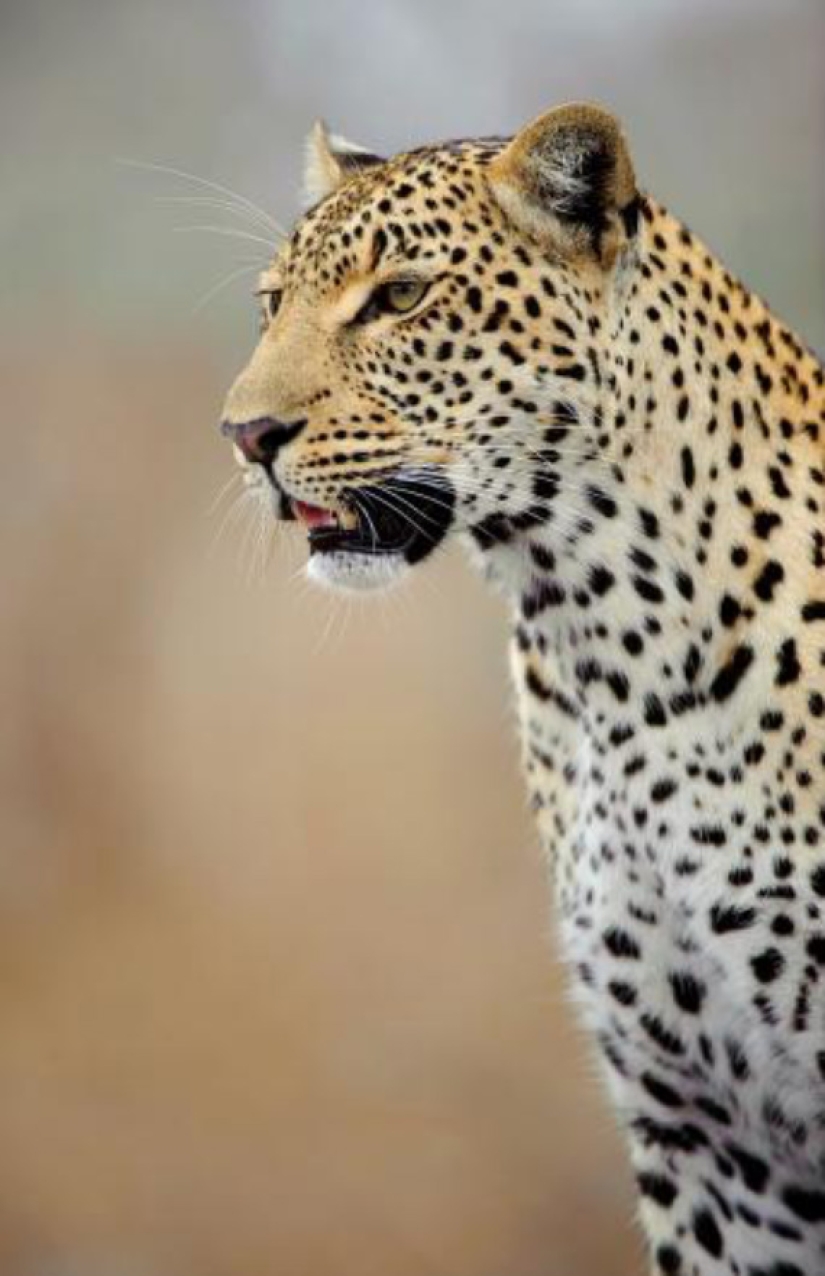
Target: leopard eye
401, 295
396, 297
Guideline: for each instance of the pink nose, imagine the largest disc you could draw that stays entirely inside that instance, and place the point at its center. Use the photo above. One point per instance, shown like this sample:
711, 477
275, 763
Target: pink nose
262, 439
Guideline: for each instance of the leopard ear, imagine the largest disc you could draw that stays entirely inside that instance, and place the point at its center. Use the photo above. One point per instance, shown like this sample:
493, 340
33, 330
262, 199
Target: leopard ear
330, 160
567, 178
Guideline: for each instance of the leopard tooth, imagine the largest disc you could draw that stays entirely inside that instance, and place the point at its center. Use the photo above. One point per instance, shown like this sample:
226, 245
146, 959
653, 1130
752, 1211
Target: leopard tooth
347, 519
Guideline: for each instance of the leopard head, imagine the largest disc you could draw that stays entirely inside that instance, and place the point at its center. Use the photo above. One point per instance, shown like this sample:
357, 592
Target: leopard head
426, 361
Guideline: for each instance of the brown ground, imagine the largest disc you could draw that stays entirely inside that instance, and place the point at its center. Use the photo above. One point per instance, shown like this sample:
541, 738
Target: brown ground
277, 989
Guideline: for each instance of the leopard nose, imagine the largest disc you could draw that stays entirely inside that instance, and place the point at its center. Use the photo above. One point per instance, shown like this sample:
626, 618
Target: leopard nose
262, 439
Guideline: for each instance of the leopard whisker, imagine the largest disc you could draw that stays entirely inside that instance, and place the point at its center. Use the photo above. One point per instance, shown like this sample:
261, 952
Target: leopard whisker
222, 283
242, 201
230, 231
259, 220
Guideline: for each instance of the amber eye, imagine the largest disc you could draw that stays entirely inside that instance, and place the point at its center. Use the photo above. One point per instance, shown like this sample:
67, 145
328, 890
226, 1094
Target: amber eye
396, 297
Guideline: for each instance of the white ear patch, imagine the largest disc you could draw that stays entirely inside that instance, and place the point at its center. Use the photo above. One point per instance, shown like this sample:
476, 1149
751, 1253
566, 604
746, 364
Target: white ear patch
329, 159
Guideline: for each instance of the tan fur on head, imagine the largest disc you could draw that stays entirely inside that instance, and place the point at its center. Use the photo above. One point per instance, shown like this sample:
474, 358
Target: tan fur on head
330, 160
565, 178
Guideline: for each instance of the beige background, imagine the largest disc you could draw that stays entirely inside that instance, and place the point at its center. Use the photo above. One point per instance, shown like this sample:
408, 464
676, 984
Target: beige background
278, 991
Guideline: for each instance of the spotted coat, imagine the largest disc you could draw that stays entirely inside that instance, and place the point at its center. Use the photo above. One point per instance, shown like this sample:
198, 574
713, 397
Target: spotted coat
632, 446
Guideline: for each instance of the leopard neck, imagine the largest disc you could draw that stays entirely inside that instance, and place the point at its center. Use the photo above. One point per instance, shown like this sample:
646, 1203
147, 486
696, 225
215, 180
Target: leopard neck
689, 505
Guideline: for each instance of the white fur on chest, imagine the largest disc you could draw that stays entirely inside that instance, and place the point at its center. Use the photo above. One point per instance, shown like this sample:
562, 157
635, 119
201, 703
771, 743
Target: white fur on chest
635, 908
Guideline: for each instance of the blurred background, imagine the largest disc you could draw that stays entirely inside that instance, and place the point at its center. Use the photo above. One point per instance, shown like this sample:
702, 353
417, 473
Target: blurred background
277, 983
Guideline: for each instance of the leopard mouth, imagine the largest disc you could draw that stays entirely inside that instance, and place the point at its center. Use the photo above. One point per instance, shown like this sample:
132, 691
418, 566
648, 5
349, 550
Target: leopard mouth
400, 516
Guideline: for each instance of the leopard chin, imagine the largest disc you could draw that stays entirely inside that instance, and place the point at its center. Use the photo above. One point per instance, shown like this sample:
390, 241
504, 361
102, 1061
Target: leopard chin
351, 572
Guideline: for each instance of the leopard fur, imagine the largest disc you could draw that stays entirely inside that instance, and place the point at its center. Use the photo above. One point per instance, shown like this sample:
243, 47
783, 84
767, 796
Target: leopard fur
631, 444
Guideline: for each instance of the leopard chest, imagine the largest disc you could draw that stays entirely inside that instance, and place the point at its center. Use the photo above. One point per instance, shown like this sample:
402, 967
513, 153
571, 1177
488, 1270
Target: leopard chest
670, 924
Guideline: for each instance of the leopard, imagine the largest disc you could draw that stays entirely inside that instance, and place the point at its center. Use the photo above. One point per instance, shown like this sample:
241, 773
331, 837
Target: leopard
508, 342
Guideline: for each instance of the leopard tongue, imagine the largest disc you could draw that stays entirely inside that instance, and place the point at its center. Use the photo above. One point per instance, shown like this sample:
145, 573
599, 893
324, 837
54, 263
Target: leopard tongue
313, 516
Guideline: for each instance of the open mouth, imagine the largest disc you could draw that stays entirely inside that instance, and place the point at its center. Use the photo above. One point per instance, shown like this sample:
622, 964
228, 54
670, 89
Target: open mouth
401, 516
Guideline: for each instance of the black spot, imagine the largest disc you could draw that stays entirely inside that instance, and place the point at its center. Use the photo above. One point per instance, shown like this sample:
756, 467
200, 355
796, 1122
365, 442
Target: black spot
729, 611
655, 715
669, 1260
619, 685
662, 1035
474, 299
778, 485
693, 662
755, 1172
575, 371
621, 944
648, 589
727, 917
764, 522
768, 965
548, 593
495, 529
661, 1091
658, 1187
510, 352
684, 584
707, 1233
814, 610
649, 522
688, 467
708, 834
623, 992
535, 685
788, 666
779, 1268
604, 504
600, 581
545, 486
688, 992
713, 1109
732, 673
543, 557
662, 790
806, 1203
767, 580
